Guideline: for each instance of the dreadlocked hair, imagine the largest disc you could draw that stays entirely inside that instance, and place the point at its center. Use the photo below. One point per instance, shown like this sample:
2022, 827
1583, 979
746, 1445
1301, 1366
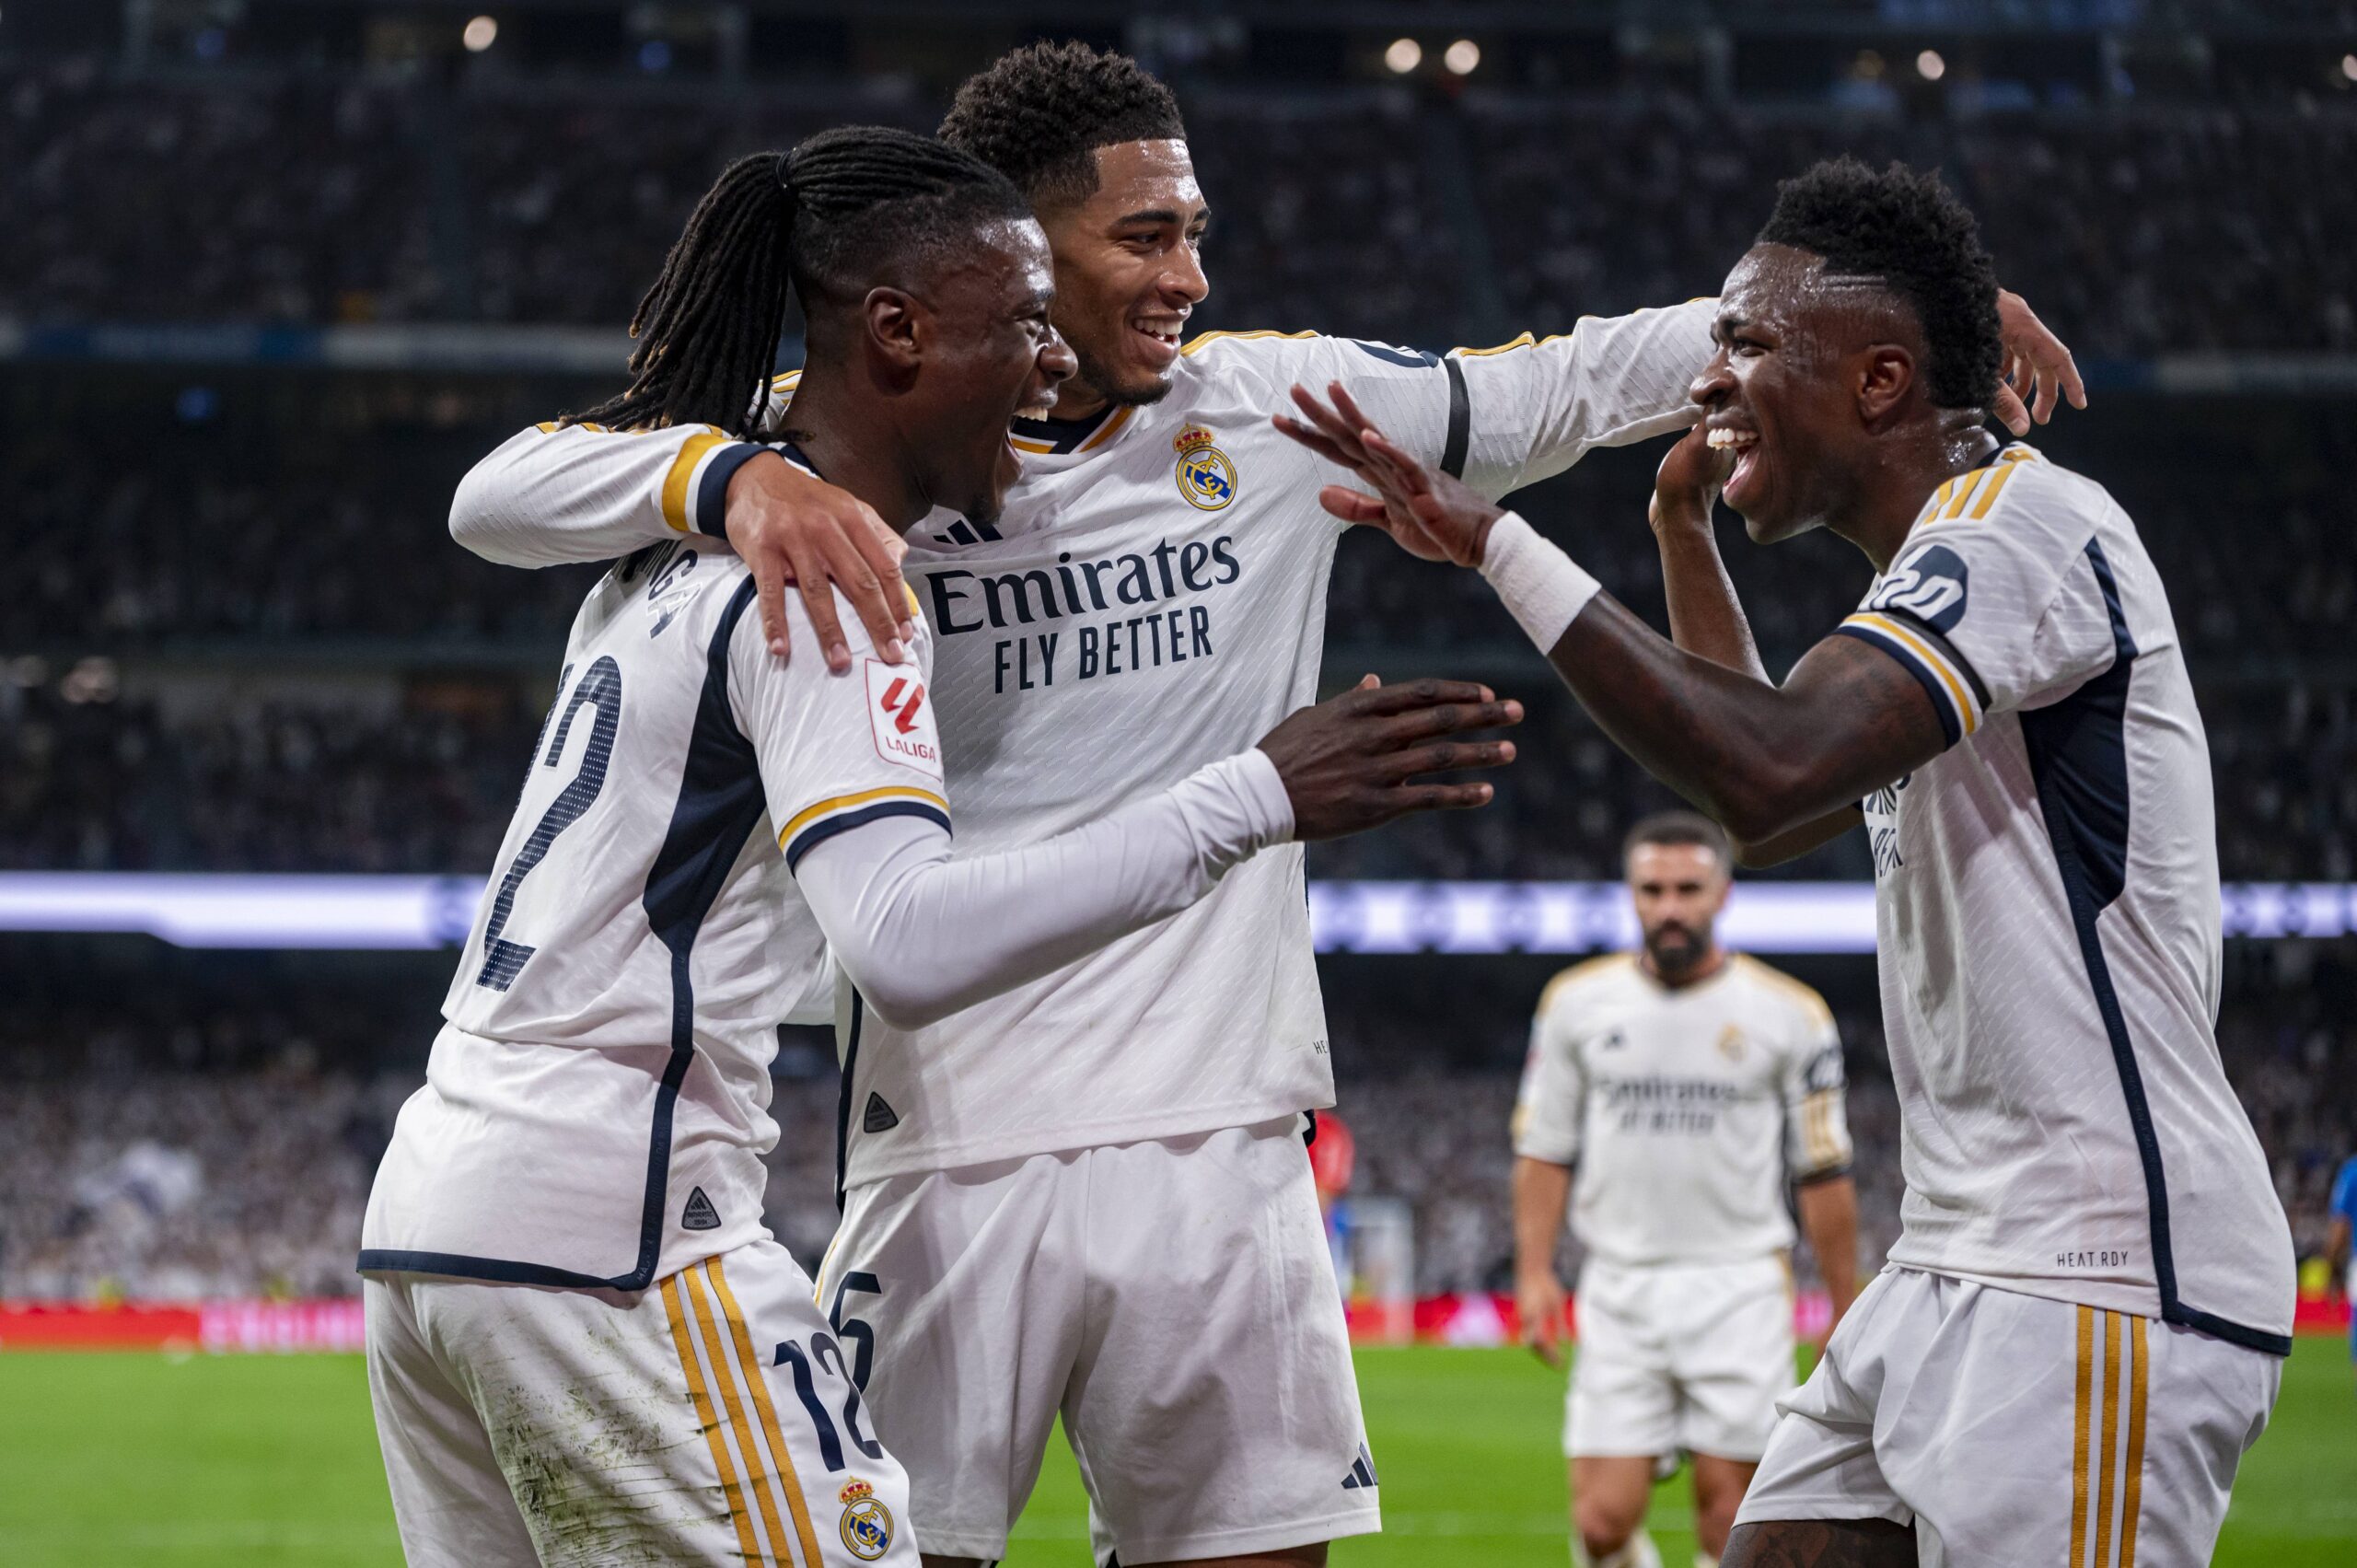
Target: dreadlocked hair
1038, 112
1910, 231
841, 213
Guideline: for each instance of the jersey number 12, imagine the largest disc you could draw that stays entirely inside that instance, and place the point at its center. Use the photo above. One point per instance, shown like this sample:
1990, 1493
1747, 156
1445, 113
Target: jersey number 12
600, 688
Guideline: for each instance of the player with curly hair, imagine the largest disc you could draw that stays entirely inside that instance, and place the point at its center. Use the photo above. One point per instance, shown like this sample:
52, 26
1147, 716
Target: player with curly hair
2081, 1327
1089, 1196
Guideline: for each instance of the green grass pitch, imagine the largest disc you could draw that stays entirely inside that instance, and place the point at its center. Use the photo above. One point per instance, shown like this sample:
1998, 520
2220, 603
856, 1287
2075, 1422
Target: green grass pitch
222, 1462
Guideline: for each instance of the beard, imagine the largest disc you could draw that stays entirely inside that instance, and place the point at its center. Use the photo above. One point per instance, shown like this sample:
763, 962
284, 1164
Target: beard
1673, 949
1093, 374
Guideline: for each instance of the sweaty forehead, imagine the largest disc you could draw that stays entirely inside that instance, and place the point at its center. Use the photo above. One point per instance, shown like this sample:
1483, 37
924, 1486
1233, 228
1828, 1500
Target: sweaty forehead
1785, 286
1135, 177
1005, 266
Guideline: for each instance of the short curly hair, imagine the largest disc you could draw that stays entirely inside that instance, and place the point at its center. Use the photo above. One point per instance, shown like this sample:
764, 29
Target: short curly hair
1910, 231
1038, 112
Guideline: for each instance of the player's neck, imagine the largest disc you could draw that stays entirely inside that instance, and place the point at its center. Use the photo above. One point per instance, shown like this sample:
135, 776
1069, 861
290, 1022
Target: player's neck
1890, 488
1713, 960
854, 449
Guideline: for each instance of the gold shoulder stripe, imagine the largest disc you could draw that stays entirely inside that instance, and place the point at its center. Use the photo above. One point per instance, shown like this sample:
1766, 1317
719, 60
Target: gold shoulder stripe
1525, 341
1589, 969
1995, 487
1807, 996
1191, 345
1966, 715
1105, 431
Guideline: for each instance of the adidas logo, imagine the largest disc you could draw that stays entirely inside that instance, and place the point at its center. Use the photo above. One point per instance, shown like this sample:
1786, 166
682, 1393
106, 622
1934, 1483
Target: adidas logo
699, 1214
965, 531
881, 1117
1362, 1476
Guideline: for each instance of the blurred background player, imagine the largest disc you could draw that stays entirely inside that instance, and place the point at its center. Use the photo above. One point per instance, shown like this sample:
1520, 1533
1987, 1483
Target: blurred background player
1685, 1085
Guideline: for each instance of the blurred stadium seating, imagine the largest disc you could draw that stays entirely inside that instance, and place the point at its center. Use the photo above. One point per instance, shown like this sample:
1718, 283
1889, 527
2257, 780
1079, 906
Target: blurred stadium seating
240, 639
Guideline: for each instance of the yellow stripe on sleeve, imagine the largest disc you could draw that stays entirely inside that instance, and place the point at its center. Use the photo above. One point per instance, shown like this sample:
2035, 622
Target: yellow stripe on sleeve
706, 1419
1191, 345
1932, 661
1525, 341
810, 814
780, 1456
710, 1338
676, 484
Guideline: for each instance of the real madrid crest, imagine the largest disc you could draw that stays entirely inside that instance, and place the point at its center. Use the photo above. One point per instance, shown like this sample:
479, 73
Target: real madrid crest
1205, 476
868, 1524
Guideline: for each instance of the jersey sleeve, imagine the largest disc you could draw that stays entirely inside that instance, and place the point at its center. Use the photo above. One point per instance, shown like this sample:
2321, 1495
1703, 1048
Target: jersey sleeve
1553, 1098
2001, 600
1531, 408
835, 751
556, 492
1815, 1091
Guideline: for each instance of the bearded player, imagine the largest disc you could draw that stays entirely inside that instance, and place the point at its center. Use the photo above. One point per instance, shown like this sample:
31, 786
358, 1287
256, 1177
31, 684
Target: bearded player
1686, 1085
2081, 1327
1156, 583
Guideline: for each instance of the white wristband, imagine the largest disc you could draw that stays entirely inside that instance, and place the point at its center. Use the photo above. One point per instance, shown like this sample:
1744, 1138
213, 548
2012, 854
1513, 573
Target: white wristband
1542, 588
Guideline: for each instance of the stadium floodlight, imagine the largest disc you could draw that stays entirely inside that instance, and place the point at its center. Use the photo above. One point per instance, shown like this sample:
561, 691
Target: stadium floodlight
481, 34
1462, 57
1404, 55
1930, 66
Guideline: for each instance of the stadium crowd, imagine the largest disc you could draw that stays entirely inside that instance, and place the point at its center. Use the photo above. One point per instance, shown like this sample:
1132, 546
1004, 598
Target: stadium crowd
1359, 210
229, 1157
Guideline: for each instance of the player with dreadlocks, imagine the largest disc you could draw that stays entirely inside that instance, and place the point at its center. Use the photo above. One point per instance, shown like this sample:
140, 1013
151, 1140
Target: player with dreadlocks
583, 1345
2082, 1326
1153, 597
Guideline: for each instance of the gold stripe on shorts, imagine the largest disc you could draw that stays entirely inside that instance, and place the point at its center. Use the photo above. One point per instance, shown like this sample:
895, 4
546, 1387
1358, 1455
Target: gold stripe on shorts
2079, 1439
716, 1346
2109, 1435
710, 1423
780, 1454
2133, 1487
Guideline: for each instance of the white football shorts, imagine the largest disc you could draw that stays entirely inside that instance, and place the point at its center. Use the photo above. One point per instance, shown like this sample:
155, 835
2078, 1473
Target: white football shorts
2009, 1429
1673, 1356
1173, 1300
711, 1418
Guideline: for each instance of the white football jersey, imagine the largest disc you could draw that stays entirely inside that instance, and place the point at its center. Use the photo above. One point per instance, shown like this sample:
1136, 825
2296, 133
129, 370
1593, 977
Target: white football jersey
603, 1084
2048, 913
1684, 1110
1154, 598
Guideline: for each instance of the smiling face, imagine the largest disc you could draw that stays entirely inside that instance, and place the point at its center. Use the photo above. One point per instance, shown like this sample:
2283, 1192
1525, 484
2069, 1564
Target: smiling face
993, 357
1129, 272
1809, 368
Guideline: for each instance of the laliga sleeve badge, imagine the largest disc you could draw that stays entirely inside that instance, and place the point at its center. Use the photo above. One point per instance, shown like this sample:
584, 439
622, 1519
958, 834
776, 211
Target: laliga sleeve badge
899, 716
1205, 476
868, 1524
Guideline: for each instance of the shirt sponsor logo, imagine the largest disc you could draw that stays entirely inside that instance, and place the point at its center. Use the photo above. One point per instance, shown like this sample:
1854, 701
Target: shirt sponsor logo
1205, 476
1151, 634
899, 716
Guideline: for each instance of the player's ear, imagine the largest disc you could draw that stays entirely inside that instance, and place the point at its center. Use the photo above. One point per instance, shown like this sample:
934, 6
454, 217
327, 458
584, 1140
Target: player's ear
899, 327
1885, 373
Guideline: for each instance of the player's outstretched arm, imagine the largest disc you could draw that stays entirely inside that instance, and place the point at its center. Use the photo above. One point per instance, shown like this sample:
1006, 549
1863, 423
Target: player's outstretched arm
923, 934
1764, 760
1705, 616
569, 492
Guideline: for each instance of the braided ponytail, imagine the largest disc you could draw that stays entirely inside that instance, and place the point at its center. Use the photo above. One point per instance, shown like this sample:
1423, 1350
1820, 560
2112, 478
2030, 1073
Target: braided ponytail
833, 211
